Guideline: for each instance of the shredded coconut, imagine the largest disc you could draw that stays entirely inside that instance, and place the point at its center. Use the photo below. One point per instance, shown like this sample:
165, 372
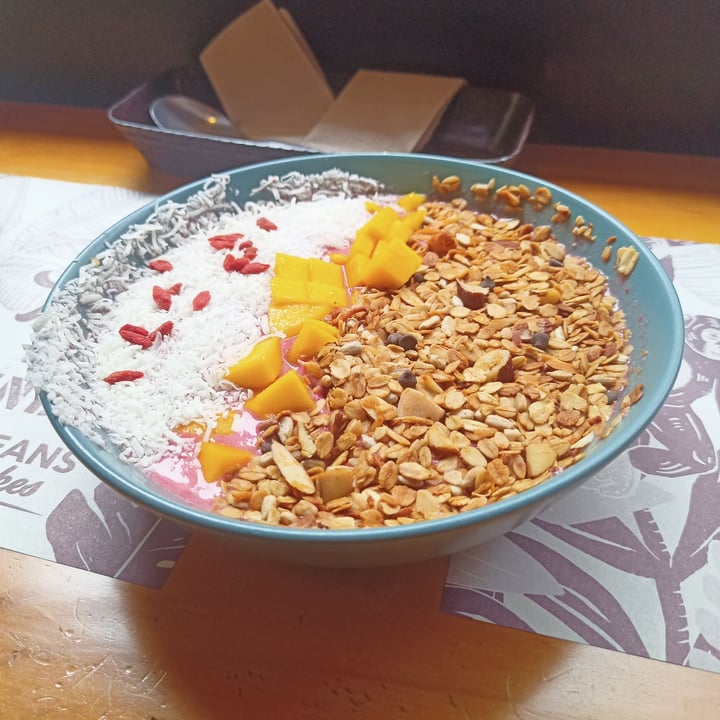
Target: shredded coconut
76, 341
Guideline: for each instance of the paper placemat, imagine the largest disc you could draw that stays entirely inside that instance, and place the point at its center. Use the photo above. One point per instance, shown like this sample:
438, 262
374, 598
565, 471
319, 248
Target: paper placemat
630, 560
51, 507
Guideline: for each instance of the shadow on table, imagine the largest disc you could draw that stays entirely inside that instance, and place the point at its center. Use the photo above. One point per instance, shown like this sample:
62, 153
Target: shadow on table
236, 634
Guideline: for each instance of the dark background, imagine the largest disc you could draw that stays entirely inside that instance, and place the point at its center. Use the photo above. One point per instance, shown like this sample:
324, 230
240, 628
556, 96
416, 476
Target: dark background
638, 74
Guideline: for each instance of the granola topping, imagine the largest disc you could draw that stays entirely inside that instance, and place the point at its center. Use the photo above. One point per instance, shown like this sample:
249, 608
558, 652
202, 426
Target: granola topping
495, 366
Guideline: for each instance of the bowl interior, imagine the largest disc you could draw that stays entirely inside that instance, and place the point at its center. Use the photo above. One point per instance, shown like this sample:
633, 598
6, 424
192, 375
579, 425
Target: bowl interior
647, 296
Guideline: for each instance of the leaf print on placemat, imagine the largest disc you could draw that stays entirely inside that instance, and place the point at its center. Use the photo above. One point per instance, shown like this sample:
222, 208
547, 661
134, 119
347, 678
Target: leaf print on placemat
585, 606
705, 652
702, 526
34, 256
484, 604
609, 540
116, 538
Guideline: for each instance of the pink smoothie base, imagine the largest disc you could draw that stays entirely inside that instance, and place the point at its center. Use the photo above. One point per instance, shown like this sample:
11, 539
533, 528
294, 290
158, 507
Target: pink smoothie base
179, 474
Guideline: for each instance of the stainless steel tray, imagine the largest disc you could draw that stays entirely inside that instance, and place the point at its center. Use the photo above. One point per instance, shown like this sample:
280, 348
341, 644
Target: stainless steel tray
483, 124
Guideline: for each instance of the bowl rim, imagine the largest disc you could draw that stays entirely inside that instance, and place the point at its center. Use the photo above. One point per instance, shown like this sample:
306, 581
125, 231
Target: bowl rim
612, 446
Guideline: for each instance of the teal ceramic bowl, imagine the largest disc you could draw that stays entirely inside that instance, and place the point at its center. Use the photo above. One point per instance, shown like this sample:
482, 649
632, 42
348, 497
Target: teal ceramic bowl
647, 297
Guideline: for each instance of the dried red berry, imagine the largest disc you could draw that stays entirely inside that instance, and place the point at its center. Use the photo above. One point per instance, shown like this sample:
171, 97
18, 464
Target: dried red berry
245, 244
143, 339
123, 376
234, 264
162, 298
165, 329
264, 224
201, 300
175, 289
139, 330
254, 268
160, 265
250, 253
224, 242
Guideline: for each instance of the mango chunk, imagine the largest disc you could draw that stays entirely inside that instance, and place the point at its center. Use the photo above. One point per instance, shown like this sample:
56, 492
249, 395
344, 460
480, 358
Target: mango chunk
355, 269
392, 265
313, 335
400, 231
380, 222
364, 243
288, 319
290, 267
288, 392
224, 424
308, 281
338, 258
411, 201
191, 428
323, 294
325, 272
284, 291
217, 460
260, 367
415, 219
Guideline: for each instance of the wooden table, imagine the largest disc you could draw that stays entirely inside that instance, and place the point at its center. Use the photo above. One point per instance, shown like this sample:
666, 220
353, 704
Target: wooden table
232, 637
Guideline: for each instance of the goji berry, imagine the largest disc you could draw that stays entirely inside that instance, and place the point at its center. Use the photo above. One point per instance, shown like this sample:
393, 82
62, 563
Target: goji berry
254, 268
143, 339
162, 298
123, 376
133, 329
175, 289
234, 264
245, 244
165, 329
222, 242
250, 253
160, 265
264, 224
201, 300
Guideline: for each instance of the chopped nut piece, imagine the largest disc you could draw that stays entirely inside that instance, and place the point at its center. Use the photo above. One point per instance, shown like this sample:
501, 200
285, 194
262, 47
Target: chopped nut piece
414, 403
472, 295
626, 259
292, 470
335, 482
539, 456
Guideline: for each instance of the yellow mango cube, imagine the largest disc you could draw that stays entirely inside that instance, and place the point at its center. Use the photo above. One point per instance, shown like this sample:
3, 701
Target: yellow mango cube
290, 267
325, 272
415, 219
378, 225
284, 291
313, 335
288, 392
363, 244
260, 367
218, 460
288, 319
392, 265
411, 201
399, 231
338, 258
224, 424
355, 269
191, 428
322, 294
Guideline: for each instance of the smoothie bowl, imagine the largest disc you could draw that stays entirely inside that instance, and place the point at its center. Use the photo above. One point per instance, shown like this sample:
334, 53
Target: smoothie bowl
357, 360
